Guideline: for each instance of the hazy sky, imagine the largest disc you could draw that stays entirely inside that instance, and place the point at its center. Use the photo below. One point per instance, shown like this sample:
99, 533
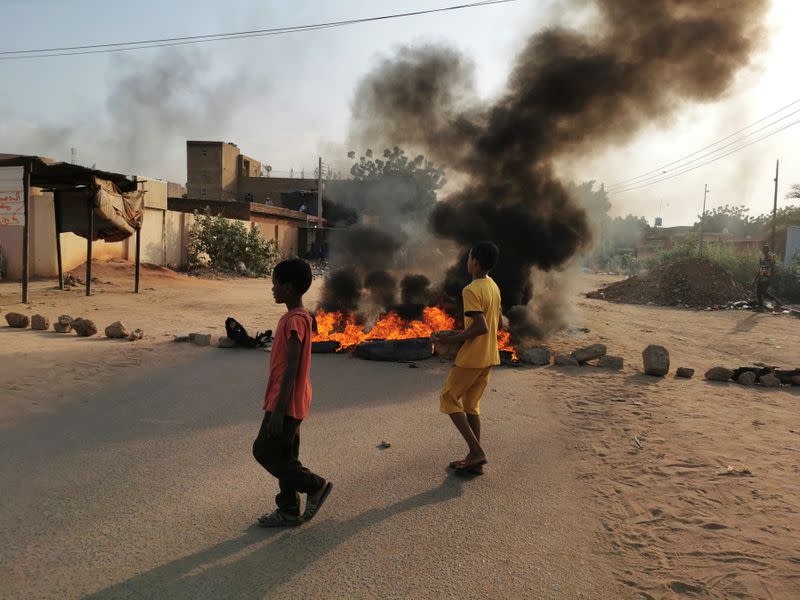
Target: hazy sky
286, 99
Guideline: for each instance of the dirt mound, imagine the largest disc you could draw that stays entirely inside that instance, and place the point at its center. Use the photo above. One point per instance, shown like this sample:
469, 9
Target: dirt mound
119, 268
694, 282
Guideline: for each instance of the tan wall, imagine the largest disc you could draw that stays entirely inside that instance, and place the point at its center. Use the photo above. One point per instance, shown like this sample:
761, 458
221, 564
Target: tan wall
230, 173
204, 170
286, 234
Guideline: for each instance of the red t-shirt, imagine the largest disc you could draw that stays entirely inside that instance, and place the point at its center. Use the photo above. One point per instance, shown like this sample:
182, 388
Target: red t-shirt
295, 321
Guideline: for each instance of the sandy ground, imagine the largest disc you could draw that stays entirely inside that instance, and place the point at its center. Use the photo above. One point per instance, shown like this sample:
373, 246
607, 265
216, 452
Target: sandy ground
134, 454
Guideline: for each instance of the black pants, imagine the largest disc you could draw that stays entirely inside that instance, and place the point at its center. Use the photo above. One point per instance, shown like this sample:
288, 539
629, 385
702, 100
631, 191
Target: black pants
279, 455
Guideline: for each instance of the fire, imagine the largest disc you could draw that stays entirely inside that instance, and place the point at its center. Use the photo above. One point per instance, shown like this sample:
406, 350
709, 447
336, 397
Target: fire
335, 326
338, 327
504, 343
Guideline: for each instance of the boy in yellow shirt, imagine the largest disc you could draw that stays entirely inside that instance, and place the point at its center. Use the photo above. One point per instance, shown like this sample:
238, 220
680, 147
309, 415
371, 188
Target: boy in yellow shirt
461, 395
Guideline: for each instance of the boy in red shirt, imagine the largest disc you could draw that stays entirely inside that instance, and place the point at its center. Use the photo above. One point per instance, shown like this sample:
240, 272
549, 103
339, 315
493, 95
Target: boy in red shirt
287, 400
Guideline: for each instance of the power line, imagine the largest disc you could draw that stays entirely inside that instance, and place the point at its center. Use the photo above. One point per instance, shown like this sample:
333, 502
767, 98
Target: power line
734, 150
214, 37
657, 172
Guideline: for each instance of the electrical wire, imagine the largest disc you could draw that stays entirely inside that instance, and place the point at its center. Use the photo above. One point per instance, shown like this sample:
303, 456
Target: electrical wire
214, 37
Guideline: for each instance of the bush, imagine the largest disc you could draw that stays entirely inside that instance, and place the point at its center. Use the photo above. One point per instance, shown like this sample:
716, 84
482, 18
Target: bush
787, 281
625, 264
226, 245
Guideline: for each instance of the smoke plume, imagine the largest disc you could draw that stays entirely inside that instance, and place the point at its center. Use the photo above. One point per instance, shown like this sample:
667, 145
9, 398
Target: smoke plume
568, 93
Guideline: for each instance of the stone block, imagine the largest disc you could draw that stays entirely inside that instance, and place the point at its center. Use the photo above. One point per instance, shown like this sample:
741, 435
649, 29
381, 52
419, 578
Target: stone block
656, 360
535, 356
40, 323
565, 360
610, 362
200, 339
117, 330
684, 372
589, 353
17, 320
719, 374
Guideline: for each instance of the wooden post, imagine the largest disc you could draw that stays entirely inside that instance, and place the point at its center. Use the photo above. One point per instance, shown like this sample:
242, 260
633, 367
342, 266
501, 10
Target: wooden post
138, 255
319, 190
57, 208
703, 221
774, 209
26, 187
89, 238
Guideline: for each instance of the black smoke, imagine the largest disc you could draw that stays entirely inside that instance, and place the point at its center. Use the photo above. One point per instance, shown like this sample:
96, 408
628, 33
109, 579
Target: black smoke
568, 93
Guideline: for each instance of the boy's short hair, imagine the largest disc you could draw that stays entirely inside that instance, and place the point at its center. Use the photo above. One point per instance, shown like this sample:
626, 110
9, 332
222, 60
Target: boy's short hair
486, 254
295, 271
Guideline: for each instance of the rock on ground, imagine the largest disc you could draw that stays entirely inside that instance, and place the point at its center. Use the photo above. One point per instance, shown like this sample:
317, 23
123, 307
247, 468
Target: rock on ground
226, 342
719, 374
565, 360
610, 362
136, 334
684, 372
17, 320
656, 360
535, 356
200, 339
84, 327
40, 323
769, 380
746, 378
63, 324
589, 353
117, 330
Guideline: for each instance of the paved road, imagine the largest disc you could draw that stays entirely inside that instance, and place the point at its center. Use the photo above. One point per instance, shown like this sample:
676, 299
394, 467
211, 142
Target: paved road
148, 490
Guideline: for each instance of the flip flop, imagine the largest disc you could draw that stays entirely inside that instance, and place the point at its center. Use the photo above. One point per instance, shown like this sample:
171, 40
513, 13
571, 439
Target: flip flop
313, 506
466, 466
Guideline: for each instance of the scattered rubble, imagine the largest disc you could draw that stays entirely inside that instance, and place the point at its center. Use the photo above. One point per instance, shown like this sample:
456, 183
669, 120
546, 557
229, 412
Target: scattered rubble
136, 334
226, 342
200, 339
63, 324
565, 360
117, 330
84, 327
656, 360
589, 353
719, 374
746, 378
535, 356
17, 320
684, 372
610, 362
40, 323
688, 282
769, 380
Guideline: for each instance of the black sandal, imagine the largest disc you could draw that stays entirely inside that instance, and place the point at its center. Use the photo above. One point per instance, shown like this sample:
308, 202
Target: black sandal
279, 519
313, 506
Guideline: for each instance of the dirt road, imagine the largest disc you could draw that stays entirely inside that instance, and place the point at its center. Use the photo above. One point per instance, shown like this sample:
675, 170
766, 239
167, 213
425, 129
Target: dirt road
127, 468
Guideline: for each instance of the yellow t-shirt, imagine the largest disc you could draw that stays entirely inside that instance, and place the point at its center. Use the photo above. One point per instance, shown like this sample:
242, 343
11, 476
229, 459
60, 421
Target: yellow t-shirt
482, 295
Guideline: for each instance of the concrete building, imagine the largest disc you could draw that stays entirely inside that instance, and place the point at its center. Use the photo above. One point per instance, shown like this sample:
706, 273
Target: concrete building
218, 171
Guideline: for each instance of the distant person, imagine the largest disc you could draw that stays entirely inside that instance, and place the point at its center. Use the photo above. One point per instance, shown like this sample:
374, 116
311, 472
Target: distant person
764, 277
287, 402
461, 396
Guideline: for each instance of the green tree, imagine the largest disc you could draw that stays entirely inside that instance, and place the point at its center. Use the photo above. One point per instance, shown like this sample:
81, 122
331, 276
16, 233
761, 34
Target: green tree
392, 185
729, 219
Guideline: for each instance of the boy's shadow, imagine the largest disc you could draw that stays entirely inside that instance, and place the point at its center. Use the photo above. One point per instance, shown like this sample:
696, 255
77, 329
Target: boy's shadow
260, 560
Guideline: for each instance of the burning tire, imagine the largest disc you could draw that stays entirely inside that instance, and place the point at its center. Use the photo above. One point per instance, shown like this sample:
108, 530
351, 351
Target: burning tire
326, 347
395, 350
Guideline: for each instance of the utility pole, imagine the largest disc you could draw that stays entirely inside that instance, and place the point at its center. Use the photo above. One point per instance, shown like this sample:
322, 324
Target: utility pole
703, 220
774, 208
319, 189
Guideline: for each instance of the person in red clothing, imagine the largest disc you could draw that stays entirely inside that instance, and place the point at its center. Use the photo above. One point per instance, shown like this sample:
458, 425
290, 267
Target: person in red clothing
287, 401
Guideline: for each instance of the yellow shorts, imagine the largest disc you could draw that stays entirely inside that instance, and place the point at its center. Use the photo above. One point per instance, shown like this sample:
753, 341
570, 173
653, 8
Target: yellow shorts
463, 390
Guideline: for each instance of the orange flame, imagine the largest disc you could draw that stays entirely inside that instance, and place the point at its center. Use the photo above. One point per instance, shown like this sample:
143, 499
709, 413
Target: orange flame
504, 343
338, 327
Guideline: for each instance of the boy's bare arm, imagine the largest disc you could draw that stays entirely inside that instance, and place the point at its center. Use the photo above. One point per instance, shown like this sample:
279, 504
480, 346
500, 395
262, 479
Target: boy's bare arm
478, 327
293, 347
